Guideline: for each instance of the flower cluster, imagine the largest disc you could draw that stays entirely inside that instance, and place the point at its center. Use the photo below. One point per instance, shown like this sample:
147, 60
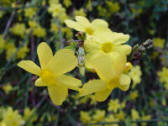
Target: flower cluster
115, 113
106, 54
11, 117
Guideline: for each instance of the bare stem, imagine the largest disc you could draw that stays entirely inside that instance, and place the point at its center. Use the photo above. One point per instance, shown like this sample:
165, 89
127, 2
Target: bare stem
9, 23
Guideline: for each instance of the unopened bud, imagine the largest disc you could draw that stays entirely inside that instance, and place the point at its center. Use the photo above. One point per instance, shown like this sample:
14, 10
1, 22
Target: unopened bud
81, 51
128, 66
80, 35
81, 56
81, 60
148, 43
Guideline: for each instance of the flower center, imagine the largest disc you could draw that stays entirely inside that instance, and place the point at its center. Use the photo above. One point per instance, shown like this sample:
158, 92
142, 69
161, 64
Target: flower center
89, 31
47, 76
107, 47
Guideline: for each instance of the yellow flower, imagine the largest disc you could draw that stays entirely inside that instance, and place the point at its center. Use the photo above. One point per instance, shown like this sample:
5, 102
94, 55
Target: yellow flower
18, 29
151, 31
154, 55
111, 76
121, 115
123, 104
102, 11
135, 114
52, 71
67, 3
89, 5
106, 45
145, 117
114, 105
158, 42
22, 52
53, 2
163, 101
135, 75
62, 17
7, 2
54, 28
166, 85
106, 54
1, 14
113, 7
10, 51
152, 103
82, 24
136, 11
79, 12
134, 95
163, 75
56, 9
32, 24
30, 12
12, 118
84, 100
99, 116
85, 117
29, 115
2, 42
2, 124
39, 31
111, 118
67, 32
7, 88
103, 88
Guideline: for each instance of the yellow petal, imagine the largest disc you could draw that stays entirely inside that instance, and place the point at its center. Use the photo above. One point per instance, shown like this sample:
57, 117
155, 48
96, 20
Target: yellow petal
124, 82
89, 58
82, 20
90, 45
108, 66
63, 61
91, 87
105, 36
113, 37
100, 22
29, 66
58, 94
89, 67
92, 49
74, 25
119, 38
44, 53
124, 49
102, 95
40, 83
100, 25
69, 82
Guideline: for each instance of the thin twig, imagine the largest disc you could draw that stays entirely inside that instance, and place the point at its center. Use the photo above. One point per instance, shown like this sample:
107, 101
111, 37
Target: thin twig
10, 20
9, 23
